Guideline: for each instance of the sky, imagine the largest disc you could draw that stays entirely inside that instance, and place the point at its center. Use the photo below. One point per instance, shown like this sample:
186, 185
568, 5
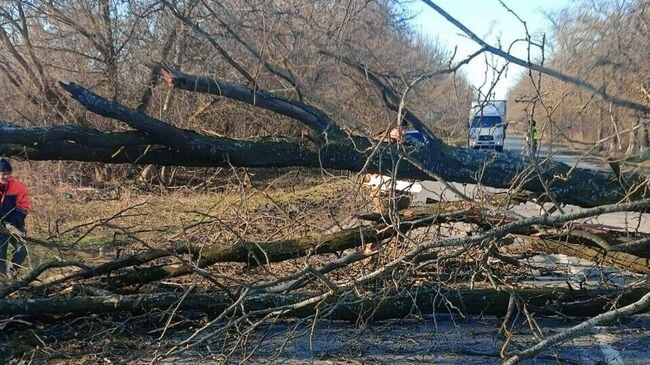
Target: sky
492, 22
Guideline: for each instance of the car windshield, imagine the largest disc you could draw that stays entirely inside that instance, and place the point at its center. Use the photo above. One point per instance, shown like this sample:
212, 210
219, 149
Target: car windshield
485, 122
414, 136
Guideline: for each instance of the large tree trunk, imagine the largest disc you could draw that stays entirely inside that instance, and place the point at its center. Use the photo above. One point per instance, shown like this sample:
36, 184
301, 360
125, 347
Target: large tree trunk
350, 307
172, 145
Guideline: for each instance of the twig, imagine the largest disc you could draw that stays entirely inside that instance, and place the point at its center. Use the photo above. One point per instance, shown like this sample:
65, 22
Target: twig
582, 328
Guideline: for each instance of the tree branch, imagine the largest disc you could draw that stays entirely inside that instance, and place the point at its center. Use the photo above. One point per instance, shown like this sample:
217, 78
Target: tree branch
313, 118
637, 307
600, 91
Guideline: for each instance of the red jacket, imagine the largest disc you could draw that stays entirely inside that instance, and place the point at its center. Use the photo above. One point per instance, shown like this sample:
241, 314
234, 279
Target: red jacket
14, 195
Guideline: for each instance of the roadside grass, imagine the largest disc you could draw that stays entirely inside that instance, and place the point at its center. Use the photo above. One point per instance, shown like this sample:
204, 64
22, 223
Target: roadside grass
80, 218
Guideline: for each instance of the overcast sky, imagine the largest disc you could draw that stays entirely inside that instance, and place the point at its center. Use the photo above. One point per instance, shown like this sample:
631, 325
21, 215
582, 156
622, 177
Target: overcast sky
491, 21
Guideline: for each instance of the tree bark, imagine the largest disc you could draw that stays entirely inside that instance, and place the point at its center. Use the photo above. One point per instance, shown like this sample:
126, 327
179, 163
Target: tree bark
277, 251
349, 307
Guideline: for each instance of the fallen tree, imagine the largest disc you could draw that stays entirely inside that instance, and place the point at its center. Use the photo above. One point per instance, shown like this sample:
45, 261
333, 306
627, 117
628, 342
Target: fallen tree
386, 269
581, 187
339, 306
188, 259
347, 153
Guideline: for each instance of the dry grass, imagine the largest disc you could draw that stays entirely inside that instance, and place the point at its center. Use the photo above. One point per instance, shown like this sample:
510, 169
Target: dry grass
124, 218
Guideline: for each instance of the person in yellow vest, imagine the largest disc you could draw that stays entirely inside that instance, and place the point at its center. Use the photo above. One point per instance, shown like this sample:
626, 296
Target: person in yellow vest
533, 138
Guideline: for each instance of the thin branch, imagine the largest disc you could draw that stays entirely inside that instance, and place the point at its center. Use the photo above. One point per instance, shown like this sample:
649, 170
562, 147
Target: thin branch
581, 329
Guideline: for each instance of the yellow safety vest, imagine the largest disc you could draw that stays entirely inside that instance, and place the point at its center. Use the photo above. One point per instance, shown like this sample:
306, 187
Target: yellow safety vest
535, 134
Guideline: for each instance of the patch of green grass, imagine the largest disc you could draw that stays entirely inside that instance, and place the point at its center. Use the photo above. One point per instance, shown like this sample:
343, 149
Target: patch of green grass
97, 239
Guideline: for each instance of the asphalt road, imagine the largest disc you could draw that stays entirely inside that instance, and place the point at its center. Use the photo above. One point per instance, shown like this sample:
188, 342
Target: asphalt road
443, 340
515, 144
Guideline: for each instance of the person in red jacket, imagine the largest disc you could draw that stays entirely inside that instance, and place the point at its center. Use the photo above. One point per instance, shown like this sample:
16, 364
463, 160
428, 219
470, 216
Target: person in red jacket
14, 206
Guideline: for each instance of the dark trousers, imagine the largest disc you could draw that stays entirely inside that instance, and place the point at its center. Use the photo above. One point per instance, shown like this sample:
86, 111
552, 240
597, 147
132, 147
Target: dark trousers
19, 255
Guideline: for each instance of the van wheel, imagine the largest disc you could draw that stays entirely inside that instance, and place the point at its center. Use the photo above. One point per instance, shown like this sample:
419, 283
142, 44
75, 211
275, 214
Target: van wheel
498, 148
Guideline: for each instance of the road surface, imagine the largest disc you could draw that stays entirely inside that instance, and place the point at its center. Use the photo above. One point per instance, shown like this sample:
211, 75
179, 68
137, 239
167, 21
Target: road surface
576, 270
443, 340
515, 144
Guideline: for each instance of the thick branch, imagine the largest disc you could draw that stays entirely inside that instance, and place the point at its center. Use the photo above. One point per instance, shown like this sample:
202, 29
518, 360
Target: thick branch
425, 300
256, 253
265, 253
313, 118
637, 307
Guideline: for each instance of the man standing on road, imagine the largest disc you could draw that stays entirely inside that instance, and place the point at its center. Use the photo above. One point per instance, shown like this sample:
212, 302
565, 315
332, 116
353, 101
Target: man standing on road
536, 139
14, 206
532, 138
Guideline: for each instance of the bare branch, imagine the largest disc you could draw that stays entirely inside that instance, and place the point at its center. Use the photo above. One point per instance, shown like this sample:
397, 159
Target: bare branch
600, 91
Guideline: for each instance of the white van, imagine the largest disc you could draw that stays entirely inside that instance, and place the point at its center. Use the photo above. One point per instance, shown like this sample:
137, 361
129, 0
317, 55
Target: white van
487, 125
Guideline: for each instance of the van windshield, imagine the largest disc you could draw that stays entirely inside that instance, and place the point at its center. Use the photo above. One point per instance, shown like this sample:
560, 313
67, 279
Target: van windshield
485, 122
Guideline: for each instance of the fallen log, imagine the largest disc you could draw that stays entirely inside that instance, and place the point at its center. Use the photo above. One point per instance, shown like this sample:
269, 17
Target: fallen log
256, 254
252, 253
347, 306
283, 250
569, 185
249, 253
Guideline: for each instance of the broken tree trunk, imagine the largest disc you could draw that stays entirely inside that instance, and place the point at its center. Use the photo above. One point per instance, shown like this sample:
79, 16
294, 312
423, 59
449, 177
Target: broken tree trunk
255, 253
